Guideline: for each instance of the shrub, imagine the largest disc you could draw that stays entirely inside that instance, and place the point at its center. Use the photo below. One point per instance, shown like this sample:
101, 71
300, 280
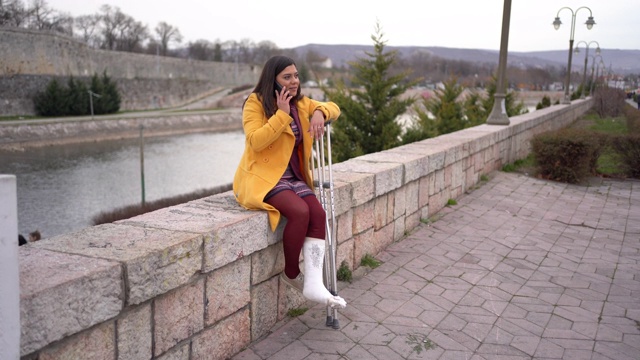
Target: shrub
544, 103
567, 155
52, 101
633, 120
609, 102
58, 100
344, 273
627, 148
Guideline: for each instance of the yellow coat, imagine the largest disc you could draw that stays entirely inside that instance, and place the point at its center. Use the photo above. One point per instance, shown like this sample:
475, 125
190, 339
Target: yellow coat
268, 146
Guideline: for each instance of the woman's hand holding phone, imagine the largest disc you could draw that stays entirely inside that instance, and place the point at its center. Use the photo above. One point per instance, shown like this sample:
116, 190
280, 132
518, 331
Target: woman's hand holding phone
282, 98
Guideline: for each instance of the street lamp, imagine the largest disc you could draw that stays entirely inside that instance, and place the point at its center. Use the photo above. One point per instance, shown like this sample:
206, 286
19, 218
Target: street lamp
586, 58
556, 24
593, 74
499, 114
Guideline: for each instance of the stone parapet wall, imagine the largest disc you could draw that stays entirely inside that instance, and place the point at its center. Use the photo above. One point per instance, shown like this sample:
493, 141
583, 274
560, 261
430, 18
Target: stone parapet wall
30, 59
199, 280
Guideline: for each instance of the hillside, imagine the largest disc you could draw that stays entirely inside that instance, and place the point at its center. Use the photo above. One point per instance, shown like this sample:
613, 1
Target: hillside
622, 61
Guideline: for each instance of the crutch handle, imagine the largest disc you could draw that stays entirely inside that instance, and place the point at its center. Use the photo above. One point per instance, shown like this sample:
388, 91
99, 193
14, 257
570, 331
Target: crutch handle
325, 185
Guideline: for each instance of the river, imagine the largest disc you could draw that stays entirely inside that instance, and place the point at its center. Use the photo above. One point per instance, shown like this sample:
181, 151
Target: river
61, 188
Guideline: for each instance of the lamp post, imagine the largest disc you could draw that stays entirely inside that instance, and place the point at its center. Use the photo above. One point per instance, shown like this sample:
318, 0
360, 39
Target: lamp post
593, 74
556, 24
586, 58
498, 114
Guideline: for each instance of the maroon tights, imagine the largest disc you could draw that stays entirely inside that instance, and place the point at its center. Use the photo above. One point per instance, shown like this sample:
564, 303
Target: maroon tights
305, 218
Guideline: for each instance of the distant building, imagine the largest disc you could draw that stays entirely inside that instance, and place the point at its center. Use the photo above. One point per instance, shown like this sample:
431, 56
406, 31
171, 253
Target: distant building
325, 63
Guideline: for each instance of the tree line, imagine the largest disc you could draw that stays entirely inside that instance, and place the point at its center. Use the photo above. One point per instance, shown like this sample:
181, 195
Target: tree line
112, 29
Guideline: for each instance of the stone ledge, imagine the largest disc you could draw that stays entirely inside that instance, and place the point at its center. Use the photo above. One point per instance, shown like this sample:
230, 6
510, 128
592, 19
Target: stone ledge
62, 294
155, 260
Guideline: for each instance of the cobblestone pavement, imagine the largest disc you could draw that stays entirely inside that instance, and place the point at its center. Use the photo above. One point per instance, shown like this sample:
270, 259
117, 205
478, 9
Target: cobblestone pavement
520, 268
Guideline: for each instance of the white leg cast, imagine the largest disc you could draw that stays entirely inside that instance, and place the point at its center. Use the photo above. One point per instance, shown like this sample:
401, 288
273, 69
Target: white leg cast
314, 288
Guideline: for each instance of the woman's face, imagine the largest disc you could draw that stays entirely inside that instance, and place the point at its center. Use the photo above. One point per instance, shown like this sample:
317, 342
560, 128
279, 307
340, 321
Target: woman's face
289, 80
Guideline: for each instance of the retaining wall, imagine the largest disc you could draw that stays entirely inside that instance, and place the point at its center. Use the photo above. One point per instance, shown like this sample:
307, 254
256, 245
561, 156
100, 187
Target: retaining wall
30, 59
199, 280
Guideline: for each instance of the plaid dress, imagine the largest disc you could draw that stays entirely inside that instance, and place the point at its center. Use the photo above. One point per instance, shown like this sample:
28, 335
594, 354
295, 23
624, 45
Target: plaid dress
292, 179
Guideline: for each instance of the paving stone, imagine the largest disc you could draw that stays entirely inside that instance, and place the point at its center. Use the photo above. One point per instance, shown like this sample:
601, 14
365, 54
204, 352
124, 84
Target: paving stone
505, 275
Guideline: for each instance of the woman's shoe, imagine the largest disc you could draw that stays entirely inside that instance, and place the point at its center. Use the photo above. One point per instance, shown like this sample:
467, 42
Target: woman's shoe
296, 283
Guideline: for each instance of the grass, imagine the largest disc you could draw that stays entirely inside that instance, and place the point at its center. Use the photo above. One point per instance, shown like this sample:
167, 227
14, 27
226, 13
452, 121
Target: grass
520, 164
297, 312
369, 261
344, 273
617, 125
452, 202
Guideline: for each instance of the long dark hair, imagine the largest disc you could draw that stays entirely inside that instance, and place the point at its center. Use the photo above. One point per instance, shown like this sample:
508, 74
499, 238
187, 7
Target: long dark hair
265, 88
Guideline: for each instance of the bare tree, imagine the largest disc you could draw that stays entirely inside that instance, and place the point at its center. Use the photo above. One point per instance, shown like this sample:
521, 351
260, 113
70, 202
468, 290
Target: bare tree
120, 31
264, 50
13, 13
201, 50
42, 17
167, 34
88, 29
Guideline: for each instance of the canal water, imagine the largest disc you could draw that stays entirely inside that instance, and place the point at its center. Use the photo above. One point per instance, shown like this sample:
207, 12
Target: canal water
61, 188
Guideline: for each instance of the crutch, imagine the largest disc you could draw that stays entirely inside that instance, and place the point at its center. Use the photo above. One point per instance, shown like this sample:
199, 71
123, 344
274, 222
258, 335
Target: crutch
327, 201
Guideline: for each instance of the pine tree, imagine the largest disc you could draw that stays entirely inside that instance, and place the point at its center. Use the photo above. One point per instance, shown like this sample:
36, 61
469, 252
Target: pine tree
96, 87
51, 102
77, 97
444, 106
369, 107
111, 96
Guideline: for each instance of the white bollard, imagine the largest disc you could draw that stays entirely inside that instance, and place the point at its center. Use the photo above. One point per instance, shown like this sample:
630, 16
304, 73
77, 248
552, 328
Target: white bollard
9, 281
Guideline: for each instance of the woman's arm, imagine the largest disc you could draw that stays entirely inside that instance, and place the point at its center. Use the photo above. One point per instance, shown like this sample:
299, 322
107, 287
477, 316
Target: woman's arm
259, 134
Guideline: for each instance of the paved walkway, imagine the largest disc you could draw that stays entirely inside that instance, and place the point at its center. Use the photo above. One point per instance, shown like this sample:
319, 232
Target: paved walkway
521, 268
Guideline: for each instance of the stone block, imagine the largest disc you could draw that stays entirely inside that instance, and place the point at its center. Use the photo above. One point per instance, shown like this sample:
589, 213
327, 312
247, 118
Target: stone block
415, 164
399, 204
62, 294
178, 315
412, 220
423, 190
229, 231
436, 162
412, 197
227, 290
342, 193
363, 245
388, 176
363, 217
156, 260
344, 227
267, 263
384, 237
97, 343
362, 185
288, 299
224, 339
398, 229
134, 334
345, 253
264, 307
381, 211
180, 352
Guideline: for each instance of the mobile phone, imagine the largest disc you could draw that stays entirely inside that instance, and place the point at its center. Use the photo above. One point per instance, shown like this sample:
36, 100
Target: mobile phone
278, 87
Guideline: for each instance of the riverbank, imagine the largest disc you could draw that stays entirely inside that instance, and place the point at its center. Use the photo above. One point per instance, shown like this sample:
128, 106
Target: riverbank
198, 117
20, 135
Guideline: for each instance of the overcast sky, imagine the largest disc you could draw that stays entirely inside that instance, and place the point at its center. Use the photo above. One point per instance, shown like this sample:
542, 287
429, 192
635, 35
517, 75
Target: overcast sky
471, 24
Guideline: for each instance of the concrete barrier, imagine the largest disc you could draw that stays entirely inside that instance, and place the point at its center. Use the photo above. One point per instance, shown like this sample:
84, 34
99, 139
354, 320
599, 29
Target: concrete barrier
199, 280
9, 296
